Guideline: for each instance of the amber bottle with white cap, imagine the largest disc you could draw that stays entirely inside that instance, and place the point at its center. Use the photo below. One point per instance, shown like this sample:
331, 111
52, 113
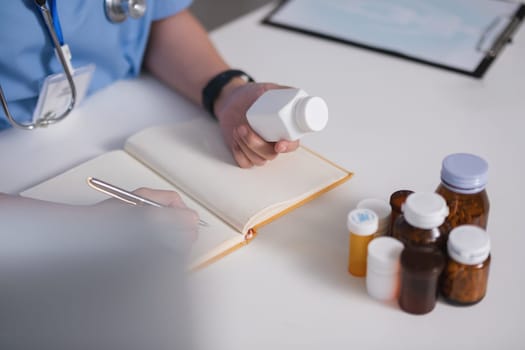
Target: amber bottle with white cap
421, 222
287, 114
362, 224
465, 277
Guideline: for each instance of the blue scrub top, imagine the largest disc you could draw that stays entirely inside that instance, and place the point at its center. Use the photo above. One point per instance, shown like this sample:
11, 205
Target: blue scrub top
27, 53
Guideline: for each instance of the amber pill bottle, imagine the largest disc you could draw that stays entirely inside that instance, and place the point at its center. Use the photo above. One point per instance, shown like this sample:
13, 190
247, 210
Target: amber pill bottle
362, 224
421, 222
463, 181
420, 270
397, 199
465, 278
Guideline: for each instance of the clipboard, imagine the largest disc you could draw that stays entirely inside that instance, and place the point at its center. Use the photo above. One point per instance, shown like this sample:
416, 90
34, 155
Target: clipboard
467, 38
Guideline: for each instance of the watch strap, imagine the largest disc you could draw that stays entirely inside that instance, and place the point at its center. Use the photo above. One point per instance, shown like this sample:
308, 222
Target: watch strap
213, 88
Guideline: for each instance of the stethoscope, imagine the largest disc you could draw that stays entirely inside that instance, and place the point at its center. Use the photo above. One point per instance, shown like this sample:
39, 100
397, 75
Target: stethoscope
117, 11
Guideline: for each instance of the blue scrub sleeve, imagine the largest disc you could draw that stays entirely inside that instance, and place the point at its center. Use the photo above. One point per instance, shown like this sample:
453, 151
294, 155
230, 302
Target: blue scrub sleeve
166, 8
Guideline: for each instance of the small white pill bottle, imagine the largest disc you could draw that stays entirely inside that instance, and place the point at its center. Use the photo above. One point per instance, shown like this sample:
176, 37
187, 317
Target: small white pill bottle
287, 114
383, 268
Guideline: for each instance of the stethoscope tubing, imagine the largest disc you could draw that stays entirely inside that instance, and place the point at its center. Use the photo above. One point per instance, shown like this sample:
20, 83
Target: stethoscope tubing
56, 21
47, 120
116, 11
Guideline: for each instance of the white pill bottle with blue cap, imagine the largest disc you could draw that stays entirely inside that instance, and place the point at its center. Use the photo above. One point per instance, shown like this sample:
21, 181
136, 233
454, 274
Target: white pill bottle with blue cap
287, 114
463, 181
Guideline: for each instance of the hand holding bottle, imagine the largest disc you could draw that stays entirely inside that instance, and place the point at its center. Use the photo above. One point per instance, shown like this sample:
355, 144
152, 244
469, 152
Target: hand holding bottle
287, 114
247, 146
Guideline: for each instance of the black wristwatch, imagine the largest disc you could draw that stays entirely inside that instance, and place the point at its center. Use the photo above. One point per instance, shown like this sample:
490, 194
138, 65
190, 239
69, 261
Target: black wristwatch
214, 87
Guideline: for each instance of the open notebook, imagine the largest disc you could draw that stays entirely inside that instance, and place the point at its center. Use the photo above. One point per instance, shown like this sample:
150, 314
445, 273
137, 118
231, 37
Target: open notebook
192, 159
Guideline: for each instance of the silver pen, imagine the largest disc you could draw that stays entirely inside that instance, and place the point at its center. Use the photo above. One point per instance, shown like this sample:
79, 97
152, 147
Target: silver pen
125, 196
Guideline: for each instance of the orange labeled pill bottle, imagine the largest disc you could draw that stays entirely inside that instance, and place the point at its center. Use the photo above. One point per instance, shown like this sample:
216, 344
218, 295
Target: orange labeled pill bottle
362, 224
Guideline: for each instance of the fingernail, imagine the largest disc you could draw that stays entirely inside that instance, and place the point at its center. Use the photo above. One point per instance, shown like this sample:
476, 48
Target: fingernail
281, 148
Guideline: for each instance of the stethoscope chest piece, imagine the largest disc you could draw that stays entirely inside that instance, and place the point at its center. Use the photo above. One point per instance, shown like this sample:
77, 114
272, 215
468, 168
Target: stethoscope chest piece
119, 10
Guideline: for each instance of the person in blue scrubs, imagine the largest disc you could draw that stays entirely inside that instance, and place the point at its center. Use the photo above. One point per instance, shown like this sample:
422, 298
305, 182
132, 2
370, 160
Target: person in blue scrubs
167, 41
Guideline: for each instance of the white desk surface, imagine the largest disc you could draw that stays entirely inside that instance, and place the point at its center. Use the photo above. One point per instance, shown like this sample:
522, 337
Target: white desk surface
392, 122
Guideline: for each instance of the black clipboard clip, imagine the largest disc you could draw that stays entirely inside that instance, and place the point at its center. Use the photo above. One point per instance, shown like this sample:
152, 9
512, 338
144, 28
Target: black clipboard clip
505, 37
492, 48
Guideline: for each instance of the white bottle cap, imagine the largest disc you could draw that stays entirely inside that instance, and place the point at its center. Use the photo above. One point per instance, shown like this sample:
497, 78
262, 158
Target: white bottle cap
468, 244
311, 114
362, 222
382, 210
425, 210
384, 254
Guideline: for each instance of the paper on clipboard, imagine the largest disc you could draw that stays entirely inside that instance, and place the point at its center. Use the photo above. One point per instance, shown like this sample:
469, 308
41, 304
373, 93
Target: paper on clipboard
453, 34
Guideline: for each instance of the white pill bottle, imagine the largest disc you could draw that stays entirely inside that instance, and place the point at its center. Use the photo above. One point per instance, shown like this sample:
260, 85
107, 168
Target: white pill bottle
287, 114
